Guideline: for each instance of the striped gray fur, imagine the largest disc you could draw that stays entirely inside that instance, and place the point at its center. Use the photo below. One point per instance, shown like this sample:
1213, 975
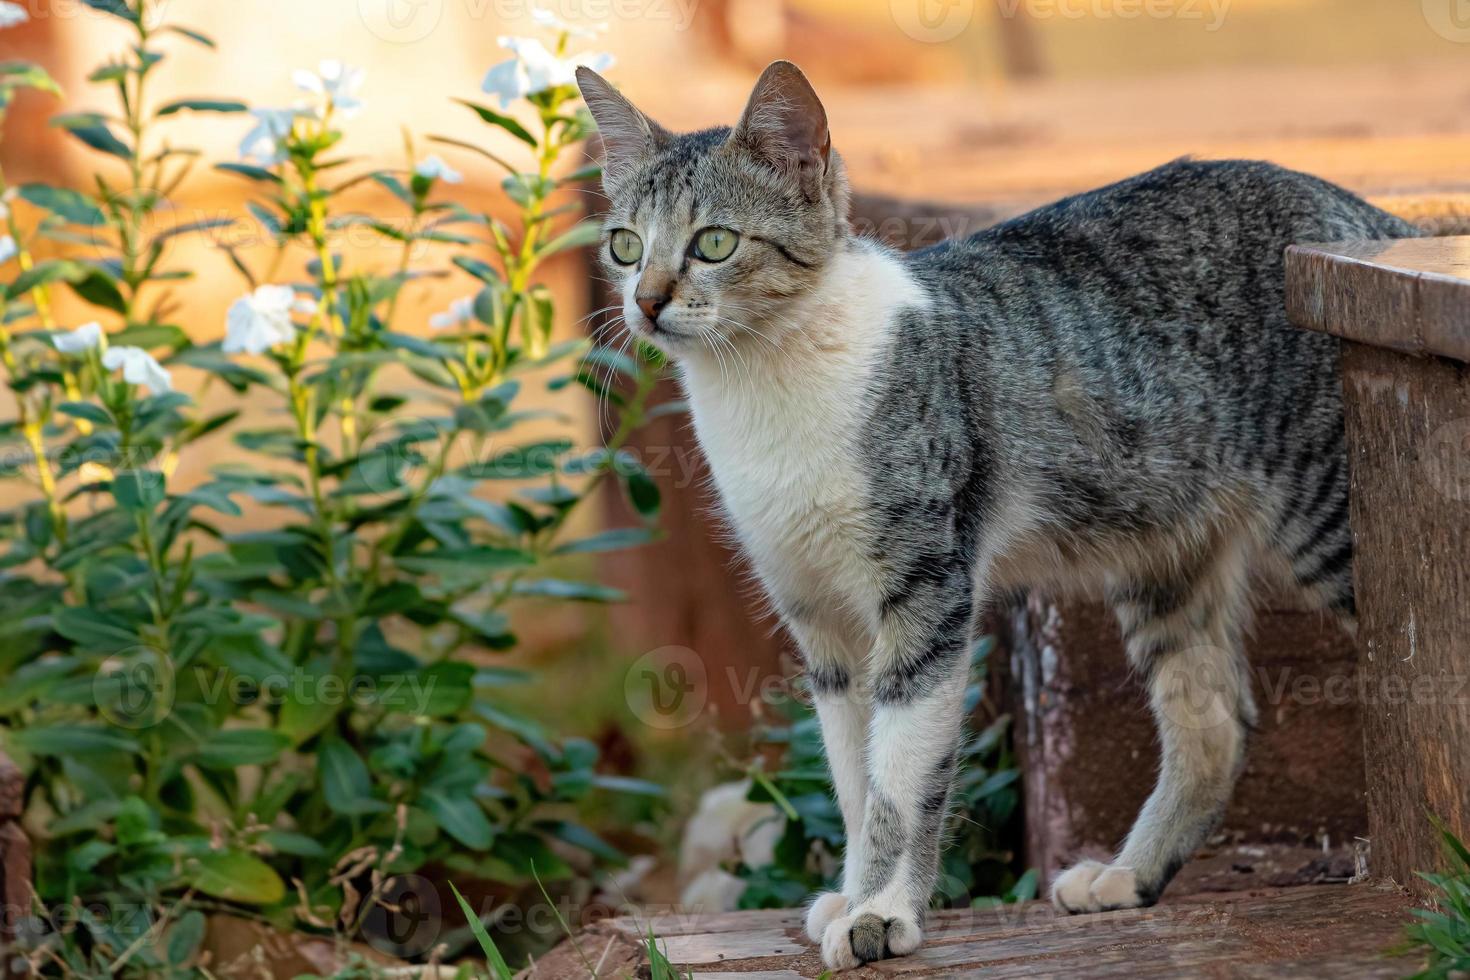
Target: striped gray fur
1103, 394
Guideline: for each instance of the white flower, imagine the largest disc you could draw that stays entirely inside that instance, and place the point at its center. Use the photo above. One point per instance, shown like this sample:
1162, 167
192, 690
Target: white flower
77, 341
336, 82
12, 14
548, 19
535, 69
8, 250
263, 143
139, 368
433, 167
460, 313
262, 320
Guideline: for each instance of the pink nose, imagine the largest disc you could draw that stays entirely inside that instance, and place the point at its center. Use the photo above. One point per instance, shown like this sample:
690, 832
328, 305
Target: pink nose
652, 306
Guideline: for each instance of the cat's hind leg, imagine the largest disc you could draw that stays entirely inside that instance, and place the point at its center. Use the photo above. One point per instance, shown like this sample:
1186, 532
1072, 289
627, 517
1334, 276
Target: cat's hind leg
1184, 637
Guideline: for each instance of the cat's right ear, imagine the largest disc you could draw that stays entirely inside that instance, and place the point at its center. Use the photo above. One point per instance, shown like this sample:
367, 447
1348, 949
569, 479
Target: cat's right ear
628, 136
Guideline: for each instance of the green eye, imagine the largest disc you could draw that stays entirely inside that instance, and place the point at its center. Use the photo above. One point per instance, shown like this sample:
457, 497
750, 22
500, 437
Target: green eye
715, 244
626, 247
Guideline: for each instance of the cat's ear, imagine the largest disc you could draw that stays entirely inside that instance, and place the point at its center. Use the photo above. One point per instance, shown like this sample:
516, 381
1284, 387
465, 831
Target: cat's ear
627, 134
785, 126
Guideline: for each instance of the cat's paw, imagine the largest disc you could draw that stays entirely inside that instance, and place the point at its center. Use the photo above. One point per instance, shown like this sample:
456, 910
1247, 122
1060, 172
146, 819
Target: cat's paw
823, 912
1092, 886
864, 936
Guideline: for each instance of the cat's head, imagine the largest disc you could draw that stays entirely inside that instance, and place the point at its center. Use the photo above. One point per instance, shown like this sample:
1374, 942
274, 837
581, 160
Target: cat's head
710, 236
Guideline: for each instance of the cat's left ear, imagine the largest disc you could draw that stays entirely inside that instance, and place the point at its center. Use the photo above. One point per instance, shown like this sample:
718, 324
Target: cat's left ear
785, 126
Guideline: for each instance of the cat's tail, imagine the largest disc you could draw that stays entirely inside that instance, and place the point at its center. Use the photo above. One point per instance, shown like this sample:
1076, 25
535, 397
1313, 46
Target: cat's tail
1436, 215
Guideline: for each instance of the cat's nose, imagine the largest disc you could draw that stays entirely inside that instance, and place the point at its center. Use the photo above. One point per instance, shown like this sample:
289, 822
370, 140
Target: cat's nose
652, 306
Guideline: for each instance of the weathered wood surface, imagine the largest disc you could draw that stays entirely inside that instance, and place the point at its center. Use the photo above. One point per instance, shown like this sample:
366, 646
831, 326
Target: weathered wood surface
1411, 295
1408, 427
1408, 436
1333, 930
15, 853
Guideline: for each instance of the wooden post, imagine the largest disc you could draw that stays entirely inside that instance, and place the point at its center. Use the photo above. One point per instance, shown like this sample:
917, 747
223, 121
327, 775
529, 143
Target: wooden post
16, 889
1404, 307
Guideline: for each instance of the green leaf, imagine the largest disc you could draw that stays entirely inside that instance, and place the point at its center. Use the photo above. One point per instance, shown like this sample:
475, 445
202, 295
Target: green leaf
193, 35
140, 491
560, 589
66, 740
460, 817
32, 681
42, 274
202, 105
24, 73
499, 969
482, 271
534, 459
303, 713
297, 845
95, 134
579, 836
93, 628
117, 8
613, 540
247, 170
505, 122
643, 492
184, 938
95, 414
459, 561
99, 289
524, 188
346, 783
395, 187
235, 876
241, 747
68, 204
586, 233
443, 689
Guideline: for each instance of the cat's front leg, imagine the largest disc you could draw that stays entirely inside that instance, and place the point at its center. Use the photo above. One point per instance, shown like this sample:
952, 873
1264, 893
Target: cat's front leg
918, 675
842, 708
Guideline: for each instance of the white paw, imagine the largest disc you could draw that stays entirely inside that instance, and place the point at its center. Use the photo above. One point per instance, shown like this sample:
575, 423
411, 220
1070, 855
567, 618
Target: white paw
1092, 886
868, 935
821, 913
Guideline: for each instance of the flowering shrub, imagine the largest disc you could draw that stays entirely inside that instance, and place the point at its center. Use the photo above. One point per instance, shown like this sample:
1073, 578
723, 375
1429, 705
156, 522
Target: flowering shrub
267, 691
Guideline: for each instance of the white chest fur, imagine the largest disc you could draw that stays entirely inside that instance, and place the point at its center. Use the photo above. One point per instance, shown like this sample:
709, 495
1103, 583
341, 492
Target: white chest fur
782, 431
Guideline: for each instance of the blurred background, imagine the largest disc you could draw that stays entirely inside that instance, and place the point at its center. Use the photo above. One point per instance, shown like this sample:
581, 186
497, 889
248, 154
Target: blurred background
986, 107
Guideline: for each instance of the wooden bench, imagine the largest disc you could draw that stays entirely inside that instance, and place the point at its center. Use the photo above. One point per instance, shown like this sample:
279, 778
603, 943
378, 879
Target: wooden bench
1403, 310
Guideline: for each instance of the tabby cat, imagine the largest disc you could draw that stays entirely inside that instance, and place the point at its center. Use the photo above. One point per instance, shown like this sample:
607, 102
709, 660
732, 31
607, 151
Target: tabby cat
1101, 394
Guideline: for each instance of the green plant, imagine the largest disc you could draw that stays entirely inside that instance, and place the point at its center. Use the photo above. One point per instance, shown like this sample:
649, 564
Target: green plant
220, 687
1442, 934
978, 863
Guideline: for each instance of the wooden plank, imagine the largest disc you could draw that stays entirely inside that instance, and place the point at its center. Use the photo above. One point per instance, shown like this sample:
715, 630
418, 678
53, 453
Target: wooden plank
1334, 930
1410, 295
1408, 432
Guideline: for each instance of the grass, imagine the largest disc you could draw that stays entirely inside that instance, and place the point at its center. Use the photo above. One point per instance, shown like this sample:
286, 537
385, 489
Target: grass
1442, 934
659, 967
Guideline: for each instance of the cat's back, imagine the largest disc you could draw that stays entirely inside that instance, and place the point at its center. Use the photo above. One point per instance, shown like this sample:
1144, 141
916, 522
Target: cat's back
1203, 238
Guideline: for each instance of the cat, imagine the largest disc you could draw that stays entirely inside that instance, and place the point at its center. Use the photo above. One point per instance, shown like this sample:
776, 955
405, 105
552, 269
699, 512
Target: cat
1102, 394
